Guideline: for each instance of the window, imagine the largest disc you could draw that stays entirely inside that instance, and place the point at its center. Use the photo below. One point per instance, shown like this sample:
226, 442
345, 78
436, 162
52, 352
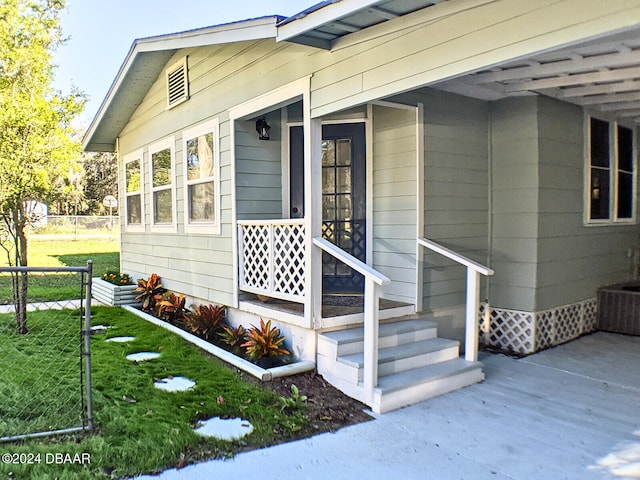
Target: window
177, 83
162, 185
202, 183
134, 192
611, 177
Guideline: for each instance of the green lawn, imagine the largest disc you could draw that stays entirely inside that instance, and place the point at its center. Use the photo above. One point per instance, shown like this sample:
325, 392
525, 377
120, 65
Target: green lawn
141, 429
105, 254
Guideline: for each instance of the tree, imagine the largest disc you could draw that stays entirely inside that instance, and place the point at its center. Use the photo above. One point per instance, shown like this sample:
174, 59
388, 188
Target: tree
36, 146
100, 180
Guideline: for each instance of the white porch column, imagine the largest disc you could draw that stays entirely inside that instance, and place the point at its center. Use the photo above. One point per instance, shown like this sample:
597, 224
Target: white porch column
472, 313
313, 214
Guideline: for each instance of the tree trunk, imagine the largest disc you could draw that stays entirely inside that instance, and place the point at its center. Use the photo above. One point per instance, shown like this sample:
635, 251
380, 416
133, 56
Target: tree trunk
21, 289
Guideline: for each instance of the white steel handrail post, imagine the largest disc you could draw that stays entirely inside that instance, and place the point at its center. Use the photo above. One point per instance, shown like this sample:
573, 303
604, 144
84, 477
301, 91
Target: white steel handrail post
472, 309
473, 306
371, 331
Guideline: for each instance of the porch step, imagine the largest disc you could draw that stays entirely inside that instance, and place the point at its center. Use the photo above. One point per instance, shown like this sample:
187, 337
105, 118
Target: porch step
407, 356
414, 364
346, 342
413, 386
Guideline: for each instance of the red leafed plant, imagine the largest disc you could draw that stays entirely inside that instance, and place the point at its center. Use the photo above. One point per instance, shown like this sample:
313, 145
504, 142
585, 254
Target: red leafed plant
148, 291
171, 307
265, 341
206, 320
234, 337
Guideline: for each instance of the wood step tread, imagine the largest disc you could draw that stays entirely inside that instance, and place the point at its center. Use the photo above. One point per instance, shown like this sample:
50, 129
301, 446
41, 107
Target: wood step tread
408, 350
397, 381
386, 329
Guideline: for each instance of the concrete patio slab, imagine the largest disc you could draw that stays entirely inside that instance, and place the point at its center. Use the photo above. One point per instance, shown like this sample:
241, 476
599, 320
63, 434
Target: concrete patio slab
572, 412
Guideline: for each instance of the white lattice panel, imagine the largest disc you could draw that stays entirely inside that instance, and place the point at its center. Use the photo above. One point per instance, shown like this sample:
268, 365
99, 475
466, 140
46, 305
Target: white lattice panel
289, 259
255, 255
527, 332
510, 330
273, 258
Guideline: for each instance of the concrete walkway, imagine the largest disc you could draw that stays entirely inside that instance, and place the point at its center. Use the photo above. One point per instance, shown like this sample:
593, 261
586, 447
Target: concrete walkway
572, 412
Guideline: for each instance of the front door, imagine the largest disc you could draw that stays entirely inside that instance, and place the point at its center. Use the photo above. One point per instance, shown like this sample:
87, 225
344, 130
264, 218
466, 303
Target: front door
343, 198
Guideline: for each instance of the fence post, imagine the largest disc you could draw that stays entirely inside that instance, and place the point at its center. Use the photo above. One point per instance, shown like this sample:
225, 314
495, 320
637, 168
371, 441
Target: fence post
87, 343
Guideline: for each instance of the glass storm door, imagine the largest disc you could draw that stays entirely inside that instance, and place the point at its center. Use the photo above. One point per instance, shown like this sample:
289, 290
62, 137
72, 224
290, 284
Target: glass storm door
343, 199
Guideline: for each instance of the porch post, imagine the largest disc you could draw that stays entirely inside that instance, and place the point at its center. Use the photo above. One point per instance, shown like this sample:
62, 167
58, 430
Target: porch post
313, 215
473, 305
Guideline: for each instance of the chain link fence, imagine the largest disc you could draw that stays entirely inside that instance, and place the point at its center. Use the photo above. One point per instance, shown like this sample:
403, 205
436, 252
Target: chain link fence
45, 362
78, 225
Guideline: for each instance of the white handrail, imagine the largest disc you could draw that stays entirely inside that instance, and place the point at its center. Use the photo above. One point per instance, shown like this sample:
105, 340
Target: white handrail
474, 269
456, 257
372, 282
350, 260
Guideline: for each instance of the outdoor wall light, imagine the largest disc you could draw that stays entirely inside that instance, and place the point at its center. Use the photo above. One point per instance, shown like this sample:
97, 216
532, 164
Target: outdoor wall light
263, 128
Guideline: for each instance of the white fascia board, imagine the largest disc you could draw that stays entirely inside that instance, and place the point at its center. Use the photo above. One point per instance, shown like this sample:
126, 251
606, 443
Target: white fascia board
256, 29
314, 19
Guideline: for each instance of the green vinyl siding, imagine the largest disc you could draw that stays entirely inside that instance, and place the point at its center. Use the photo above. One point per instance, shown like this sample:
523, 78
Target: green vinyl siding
455, 191
395, 200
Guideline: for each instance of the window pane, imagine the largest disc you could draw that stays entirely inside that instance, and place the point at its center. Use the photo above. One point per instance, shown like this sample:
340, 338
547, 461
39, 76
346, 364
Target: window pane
201, 203
134, 210
162, 204
343, 155
599, 143
343, 180
625, 195
328, 152
200, 157
133, 176
625, 149
161, 165
599, 193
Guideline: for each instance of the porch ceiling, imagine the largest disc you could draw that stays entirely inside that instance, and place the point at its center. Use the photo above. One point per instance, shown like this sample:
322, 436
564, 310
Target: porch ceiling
602, 74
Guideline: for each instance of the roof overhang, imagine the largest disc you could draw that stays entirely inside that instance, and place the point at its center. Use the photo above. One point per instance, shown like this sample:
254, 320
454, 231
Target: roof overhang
145, 61
324, 23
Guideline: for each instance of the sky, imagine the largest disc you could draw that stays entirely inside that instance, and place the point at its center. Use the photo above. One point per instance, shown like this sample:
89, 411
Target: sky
100, 34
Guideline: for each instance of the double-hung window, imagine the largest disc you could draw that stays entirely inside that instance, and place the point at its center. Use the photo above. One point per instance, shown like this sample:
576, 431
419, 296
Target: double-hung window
134, 192
163, 204
202, 182
611, 172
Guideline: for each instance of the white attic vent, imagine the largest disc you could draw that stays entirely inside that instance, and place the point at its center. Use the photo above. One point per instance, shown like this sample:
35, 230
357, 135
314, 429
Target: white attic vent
177, 83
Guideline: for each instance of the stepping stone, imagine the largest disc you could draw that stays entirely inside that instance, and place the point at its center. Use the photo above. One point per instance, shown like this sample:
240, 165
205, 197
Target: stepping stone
175, 384
120, 339
99, 329
142, 356
224, 428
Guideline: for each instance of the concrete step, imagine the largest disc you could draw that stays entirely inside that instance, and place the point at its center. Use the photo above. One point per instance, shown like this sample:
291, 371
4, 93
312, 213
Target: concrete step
412, 386
346, 342
407, 356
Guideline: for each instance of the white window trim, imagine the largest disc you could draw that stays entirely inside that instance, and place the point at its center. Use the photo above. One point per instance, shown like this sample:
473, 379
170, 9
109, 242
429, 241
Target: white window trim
137, 155
214, 228
154, 148
613, 172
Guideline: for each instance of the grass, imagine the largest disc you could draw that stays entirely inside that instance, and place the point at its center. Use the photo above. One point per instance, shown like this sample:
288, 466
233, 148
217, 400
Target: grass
141, 429
63, 253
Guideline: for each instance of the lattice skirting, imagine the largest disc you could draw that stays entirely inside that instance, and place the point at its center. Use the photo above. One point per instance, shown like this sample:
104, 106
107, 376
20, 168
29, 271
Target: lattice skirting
527, 332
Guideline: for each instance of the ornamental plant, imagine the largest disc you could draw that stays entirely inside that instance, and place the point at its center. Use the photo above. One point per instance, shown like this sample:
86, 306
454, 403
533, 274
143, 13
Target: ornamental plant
265, 341
148, 291
233, 337
115, 277
171, 307
206, 320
